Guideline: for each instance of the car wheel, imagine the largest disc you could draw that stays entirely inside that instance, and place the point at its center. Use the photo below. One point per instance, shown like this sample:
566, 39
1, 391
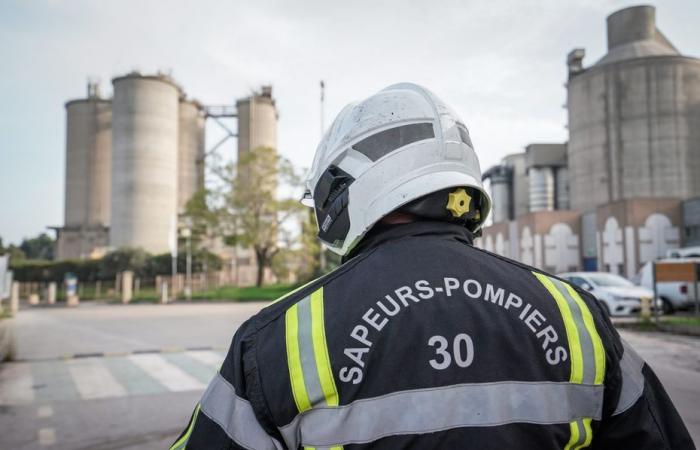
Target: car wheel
667, 306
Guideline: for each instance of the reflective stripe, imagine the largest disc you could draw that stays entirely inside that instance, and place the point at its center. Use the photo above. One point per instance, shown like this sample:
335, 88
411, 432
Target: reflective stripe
575, 355
235, 416
429, 410
310, 370
632, 379
181, 443
581, 434
598, 350
585, 349
296, 373
323, 361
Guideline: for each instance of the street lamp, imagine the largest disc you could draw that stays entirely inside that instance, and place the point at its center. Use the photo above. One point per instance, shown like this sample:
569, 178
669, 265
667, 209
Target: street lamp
187, 234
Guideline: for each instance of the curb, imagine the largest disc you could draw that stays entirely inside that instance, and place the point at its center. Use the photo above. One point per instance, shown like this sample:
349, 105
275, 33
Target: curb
684, 330
122, 354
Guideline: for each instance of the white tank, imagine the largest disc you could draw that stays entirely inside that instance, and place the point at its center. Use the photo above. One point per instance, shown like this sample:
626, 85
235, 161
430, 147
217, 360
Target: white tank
88, 161
144, 161
190, 152
257, 121
541, 188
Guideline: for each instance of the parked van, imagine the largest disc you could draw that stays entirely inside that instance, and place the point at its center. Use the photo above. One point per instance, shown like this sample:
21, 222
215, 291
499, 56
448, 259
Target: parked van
675, 295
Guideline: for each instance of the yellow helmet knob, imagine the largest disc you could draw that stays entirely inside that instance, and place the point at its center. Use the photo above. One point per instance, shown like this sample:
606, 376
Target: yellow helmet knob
459, 202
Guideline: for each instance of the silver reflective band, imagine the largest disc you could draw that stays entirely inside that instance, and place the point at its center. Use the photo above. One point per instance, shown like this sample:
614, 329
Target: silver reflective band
235, 416
435, 409
632, 379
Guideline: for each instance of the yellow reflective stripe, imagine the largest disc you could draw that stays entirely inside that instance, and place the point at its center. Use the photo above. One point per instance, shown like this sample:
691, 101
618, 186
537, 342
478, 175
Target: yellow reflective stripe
571, 330
598, 351
180, 443
573, 426
588, 433
296, 374
323, 362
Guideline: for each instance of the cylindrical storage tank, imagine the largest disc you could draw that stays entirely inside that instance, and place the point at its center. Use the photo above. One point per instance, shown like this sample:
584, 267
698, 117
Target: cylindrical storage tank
501, 186
633, 118
562, 187
190, 152
257, 121
541, 188
88, 162
144, 162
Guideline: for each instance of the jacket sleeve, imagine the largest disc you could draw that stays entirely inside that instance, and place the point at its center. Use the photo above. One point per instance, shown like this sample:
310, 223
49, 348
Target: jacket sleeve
228, 416
643, 416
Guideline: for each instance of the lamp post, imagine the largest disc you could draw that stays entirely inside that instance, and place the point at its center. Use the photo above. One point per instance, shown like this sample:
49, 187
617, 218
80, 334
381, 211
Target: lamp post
187, 234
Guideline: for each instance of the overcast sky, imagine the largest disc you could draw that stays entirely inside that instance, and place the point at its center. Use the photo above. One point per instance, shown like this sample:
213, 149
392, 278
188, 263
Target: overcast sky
500, 64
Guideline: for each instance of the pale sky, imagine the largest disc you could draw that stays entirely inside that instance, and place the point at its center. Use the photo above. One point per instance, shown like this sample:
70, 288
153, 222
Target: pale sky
499, 64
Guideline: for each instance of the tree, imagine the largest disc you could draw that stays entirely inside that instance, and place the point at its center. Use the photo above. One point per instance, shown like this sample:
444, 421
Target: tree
250, 213
40, 247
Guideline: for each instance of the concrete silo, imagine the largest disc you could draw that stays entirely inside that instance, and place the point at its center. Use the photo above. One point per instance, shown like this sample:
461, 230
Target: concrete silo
257, 121
87, 184
634, 117
190, 151
145, 115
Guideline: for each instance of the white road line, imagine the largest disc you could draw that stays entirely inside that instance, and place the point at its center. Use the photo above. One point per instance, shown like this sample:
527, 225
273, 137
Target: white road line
47, 436
16, 384
169, 375
207, 358
44, 411
93, 379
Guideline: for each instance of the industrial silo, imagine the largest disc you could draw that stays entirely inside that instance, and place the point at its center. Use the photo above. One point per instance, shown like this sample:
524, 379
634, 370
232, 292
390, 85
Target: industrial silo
144, 161
257, 121
501, 186
88, 160
634, 116
546, 169
190, 151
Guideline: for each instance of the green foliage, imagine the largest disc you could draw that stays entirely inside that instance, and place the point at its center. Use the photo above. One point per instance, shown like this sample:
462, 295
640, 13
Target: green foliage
40, 247
140, 262
15, 252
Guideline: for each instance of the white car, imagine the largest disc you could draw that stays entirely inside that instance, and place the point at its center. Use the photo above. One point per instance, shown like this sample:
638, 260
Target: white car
617, 295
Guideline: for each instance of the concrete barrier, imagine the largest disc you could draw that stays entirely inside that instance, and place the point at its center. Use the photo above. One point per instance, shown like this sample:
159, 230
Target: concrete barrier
14, 298
51, 293
33, 299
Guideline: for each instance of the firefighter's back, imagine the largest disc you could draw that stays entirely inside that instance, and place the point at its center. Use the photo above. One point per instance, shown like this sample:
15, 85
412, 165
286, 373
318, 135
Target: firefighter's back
427, 342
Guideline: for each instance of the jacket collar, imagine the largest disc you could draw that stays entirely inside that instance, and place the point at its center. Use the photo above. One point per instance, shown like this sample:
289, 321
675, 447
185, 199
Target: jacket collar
382, 233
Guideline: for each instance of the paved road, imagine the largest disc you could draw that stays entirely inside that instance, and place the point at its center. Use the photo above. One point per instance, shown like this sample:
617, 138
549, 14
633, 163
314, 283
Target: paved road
141, 400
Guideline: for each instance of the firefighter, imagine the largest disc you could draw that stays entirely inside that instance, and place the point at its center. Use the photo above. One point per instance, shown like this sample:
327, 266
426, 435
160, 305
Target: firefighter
420, 340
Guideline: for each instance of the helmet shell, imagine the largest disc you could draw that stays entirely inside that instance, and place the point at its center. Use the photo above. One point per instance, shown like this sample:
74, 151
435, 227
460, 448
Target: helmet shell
394, 147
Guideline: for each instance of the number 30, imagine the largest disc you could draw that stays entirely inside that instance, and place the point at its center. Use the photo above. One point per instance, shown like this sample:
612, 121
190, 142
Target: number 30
460, 358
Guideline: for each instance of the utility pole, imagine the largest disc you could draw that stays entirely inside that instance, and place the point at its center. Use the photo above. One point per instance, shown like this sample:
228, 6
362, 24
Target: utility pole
322, 249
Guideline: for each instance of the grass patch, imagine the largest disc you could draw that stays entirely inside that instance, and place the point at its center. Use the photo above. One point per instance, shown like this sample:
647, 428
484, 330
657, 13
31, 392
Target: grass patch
682, 321
242, 294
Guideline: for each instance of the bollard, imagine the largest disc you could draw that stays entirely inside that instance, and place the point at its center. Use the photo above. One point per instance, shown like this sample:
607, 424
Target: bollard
33, 299
164, 292
127, 284
51, 293
14, 298
73, 300
645, 312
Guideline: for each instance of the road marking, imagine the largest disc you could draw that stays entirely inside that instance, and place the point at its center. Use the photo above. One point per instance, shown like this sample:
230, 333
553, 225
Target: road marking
16, 384
132, 377
47, 436
44, 411
93, 380
169, 375
207, 357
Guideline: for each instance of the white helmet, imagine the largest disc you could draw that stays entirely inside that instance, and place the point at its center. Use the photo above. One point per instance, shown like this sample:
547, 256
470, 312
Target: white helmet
384, 154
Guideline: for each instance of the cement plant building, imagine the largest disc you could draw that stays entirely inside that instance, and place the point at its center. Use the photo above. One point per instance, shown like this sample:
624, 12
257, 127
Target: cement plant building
134, 161
624, 189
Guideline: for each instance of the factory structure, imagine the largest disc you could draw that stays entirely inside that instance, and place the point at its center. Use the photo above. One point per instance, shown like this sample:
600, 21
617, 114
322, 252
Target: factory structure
625, 188
133, 162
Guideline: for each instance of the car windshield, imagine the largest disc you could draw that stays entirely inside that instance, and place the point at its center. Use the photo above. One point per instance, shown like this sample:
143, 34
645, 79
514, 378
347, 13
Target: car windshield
609, 280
